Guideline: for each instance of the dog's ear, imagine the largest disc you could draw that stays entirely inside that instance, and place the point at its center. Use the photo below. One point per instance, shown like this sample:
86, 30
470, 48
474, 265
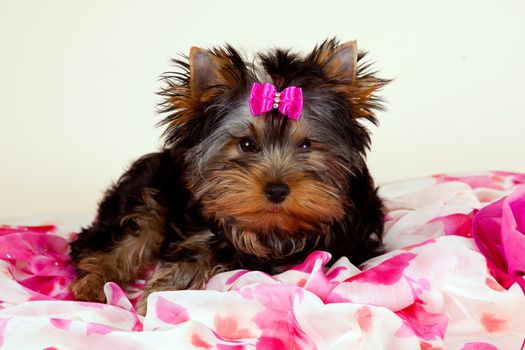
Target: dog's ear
203, 70
347, 74
198, 81
341, 62
218, 68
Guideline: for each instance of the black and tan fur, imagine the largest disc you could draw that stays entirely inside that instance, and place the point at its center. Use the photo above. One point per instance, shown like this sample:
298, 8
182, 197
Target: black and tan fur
199, 206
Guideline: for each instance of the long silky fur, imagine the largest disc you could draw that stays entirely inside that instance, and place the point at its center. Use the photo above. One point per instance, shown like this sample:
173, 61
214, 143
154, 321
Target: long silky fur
163, 191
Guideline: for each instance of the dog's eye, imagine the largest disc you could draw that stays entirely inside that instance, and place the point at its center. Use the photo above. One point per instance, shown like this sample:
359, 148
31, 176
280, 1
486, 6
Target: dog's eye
248, 145
305, 145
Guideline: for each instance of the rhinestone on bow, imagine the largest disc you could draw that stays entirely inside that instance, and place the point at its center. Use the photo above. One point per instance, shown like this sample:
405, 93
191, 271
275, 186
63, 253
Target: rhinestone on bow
276, 100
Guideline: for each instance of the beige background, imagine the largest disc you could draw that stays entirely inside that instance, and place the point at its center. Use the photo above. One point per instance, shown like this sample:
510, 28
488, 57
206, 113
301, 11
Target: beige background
77, 82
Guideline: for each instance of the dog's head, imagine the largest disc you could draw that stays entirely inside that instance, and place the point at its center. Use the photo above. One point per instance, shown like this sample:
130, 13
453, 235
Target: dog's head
273, 183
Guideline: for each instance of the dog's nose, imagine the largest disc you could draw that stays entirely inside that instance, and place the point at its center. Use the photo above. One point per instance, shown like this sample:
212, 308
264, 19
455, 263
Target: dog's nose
276, 192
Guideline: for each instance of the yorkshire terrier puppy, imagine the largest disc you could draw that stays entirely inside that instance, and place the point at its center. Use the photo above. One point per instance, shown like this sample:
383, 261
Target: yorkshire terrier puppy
264, 162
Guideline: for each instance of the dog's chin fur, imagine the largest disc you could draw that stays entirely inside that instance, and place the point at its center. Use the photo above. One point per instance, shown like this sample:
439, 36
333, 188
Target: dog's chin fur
199, 206
272, 244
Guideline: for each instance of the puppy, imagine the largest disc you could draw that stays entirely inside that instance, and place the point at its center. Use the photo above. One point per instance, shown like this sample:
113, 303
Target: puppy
263, 163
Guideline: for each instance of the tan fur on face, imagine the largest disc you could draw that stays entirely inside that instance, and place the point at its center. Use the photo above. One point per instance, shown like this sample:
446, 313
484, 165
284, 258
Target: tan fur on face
238, 192
240, 196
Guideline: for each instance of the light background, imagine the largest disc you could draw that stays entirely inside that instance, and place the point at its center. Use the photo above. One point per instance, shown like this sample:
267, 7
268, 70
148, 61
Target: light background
77, 83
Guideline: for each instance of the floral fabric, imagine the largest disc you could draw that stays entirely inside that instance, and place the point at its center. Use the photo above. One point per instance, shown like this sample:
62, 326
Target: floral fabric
452, 279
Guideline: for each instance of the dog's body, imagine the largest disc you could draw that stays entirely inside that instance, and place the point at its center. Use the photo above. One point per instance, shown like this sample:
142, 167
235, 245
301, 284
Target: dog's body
232, 190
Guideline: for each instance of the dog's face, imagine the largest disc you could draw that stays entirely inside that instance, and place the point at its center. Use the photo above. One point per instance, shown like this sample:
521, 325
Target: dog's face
272, 182
269, 174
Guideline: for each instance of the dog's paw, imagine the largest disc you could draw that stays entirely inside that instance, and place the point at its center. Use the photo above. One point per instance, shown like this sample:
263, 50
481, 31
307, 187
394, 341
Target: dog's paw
89, 288
142, 305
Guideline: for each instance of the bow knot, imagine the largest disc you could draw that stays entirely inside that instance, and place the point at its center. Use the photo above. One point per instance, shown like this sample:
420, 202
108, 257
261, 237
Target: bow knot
264, 98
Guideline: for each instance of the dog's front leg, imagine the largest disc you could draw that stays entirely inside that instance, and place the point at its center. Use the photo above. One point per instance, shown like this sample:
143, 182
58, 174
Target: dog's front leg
178, 276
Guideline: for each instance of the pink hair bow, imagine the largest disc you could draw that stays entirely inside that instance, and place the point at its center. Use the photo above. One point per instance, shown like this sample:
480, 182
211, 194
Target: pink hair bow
264, 98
